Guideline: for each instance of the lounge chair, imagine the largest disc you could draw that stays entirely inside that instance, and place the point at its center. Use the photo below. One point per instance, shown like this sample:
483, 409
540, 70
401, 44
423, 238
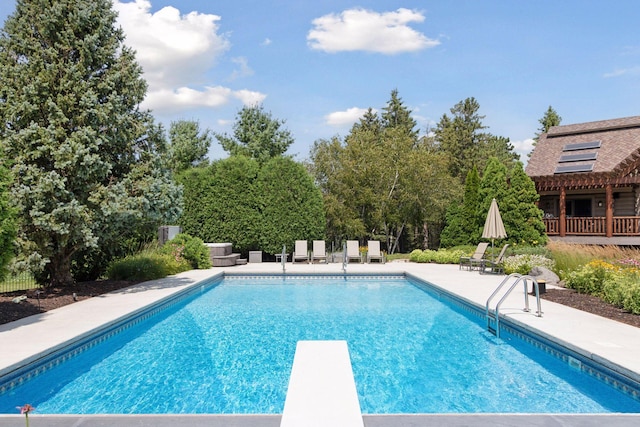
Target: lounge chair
353, 250
373, 251
495, 265
301, 252
474, 260
319, 251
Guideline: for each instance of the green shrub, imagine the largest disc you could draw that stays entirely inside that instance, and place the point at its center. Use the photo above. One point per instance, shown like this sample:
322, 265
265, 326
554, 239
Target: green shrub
523, 264
414, 255
622, 289
613, 288
192, 249
441, 256
590, 279
631, 301
146, 266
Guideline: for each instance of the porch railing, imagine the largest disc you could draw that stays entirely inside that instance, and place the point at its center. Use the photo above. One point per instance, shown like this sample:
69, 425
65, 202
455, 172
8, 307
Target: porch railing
595, 226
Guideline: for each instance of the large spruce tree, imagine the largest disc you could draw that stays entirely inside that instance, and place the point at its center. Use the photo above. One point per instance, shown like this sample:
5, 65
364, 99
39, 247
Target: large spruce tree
85, 166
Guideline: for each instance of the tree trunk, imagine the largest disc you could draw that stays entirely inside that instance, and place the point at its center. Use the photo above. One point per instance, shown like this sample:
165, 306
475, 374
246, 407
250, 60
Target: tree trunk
59, 269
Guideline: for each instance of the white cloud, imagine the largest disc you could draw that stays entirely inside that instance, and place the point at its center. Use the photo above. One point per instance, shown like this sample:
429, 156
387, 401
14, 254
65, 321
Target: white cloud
360, 29
523, 148
248, 97
266, 42
175, 52
622, 72
244, 69
348, 117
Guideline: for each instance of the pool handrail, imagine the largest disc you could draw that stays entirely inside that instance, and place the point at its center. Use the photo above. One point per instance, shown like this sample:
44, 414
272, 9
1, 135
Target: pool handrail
496, 314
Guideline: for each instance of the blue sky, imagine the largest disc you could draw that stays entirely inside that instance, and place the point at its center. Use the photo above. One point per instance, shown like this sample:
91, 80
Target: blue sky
319, 65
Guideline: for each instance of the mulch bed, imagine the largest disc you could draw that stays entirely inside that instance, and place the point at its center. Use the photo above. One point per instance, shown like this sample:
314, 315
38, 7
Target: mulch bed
58, 297
591, 304
48, 299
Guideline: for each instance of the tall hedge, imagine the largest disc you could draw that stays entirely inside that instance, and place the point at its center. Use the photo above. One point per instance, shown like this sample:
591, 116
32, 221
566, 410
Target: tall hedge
251, 206
220, 203
292, 206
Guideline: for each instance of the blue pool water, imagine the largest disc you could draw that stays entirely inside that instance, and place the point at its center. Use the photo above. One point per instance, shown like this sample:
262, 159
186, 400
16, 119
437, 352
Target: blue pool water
230, 348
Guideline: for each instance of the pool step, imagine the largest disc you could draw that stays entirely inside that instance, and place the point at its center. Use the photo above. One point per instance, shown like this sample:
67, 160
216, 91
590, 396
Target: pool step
322, 391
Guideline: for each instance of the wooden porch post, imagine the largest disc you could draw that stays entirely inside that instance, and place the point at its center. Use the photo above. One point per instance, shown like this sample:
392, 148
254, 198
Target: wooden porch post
608, 216
562, 226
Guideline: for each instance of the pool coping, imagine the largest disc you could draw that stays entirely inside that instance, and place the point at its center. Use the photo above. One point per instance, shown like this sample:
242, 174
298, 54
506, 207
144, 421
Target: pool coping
465, 285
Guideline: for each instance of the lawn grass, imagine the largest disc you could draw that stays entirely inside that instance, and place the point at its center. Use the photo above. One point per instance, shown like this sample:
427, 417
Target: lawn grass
391, 257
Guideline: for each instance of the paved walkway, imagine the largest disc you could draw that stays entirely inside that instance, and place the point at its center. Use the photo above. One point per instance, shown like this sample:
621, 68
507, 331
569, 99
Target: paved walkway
614, 343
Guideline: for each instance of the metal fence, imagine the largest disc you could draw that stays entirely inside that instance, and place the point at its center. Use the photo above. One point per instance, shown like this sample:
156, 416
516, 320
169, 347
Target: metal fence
19, 282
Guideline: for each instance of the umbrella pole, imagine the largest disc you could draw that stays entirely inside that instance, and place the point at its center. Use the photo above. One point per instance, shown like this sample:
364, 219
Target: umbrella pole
493, 254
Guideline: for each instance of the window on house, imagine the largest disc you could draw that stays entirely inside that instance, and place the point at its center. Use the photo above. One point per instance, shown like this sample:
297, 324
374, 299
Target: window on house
578, 207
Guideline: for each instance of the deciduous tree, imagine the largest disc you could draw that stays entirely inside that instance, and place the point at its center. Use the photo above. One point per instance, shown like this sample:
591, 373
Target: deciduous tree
189, 145
256, 134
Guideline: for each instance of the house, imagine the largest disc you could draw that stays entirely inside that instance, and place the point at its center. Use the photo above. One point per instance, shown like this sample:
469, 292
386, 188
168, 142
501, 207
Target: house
588, 178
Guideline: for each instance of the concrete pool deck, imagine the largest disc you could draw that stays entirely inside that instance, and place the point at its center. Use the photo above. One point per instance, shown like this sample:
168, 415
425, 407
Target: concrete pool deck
612, 343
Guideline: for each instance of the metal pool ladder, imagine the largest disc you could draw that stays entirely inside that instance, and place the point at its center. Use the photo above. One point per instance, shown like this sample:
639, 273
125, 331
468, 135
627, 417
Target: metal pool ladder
495, 314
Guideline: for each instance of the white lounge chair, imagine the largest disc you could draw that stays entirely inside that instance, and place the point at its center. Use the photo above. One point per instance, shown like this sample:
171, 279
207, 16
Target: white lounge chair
301, 252
353, 250
373, 251
319, 252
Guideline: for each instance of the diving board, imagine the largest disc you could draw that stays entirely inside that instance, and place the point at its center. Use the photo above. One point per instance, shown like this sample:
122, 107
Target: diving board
322, 391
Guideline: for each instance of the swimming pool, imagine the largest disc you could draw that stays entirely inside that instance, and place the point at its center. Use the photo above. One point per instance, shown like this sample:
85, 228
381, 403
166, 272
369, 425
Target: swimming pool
410, 353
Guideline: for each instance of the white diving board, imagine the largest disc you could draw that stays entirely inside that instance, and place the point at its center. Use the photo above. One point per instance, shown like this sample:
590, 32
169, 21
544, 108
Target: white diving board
322, 391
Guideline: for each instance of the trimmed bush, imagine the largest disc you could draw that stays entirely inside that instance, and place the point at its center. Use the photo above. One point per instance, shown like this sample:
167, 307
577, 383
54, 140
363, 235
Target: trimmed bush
191, 249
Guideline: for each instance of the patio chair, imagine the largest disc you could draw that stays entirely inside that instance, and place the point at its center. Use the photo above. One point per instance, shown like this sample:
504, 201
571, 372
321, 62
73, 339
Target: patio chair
353, 250
319, 252
495, 265
373, 251
474, 260
301, 252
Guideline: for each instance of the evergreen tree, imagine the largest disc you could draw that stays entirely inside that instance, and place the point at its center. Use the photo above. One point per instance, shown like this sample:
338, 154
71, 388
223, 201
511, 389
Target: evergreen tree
396, 115
463, 138
493, 185
462, 220
69, 101
516, 196
551, 118
522, 218
8, 226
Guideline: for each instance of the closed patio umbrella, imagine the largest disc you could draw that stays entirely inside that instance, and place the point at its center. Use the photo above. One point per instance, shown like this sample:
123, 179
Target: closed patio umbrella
493, 226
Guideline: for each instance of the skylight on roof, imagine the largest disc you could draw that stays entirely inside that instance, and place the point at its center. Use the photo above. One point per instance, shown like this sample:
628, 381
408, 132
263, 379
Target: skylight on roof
581, 146
578, 157
574, 168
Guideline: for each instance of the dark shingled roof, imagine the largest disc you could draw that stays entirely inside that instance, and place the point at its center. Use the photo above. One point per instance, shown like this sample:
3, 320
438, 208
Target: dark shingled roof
619, 147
